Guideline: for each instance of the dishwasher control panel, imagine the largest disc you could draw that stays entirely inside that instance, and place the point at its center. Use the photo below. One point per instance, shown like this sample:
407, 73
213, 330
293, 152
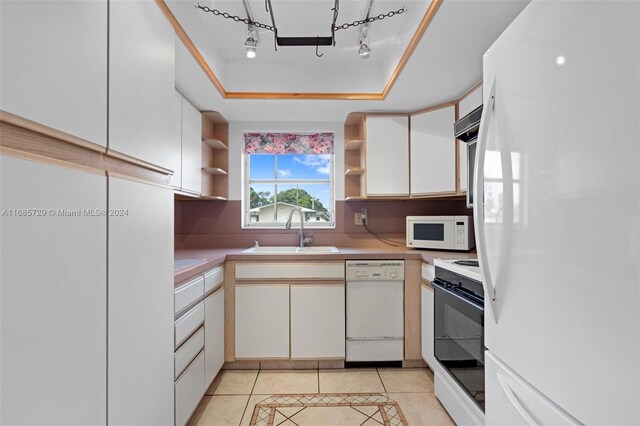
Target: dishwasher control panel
375, 270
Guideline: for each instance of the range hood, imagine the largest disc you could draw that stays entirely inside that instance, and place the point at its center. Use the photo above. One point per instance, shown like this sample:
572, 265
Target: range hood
466, 129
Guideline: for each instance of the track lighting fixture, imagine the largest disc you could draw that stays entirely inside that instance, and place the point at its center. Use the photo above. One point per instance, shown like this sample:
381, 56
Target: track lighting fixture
363, 41
253, 38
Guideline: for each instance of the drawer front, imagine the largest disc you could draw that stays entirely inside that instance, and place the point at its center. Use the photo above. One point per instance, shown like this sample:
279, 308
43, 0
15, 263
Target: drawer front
188, 351
213, 278
188, 323
188, 293
428, 272
189, 389
302, 270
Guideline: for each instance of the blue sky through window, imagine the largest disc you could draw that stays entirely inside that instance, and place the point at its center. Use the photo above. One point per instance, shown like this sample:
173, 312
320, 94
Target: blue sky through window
292, 166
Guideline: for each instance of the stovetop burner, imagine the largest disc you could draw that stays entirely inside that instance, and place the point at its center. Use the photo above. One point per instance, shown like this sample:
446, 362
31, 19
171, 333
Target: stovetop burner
467, 262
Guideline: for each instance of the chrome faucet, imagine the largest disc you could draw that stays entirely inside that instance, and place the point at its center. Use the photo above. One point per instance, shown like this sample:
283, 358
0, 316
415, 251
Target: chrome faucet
288, 224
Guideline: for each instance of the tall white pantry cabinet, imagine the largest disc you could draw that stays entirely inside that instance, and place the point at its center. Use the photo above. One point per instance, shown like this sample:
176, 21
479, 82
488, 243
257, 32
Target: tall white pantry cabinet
86, 301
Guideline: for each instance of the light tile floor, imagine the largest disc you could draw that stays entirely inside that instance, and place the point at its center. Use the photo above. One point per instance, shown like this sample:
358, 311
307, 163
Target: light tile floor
231, 399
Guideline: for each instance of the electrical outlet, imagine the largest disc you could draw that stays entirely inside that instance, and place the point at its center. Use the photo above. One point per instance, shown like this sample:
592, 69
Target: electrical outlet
358, 220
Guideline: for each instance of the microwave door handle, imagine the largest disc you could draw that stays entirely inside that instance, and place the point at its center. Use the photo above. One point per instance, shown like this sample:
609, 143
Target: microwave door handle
478, 209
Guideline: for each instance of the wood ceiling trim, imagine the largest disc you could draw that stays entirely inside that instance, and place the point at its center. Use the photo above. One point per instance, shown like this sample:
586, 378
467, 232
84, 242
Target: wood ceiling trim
293, 95
424, 24
413, 43
182, 35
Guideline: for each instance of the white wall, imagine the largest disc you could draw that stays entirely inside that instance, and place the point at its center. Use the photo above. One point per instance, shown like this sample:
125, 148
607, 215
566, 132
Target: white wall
236, 144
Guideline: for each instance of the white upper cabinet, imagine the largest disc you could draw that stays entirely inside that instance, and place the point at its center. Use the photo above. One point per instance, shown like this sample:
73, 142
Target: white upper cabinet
53, 297
433, 152
54, 65
176, 146
141, 81
472, 101
191, 148
387, 156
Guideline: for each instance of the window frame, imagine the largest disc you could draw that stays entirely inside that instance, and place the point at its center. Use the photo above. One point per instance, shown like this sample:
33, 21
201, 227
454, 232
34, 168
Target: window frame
246, 202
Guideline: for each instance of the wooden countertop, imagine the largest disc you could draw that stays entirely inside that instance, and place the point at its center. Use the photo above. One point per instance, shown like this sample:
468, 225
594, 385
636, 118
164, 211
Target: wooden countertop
216, 256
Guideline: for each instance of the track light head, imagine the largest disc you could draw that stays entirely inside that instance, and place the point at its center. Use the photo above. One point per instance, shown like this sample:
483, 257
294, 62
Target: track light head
250, 47
364, 51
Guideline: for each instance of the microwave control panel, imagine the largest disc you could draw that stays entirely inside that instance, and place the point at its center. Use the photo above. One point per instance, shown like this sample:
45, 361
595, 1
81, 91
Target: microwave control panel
461, 239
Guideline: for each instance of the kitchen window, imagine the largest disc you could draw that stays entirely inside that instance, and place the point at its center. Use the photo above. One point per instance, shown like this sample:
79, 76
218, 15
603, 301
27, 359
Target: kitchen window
284, 171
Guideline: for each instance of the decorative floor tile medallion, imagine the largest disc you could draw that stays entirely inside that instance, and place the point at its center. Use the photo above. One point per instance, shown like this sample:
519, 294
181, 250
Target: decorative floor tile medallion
328, 409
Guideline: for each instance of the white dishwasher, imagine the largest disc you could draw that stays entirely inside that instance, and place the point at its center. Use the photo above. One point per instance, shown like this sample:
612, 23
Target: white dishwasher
375, 310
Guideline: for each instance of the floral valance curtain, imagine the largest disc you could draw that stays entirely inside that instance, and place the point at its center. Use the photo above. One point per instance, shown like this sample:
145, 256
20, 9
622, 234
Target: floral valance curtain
288, 143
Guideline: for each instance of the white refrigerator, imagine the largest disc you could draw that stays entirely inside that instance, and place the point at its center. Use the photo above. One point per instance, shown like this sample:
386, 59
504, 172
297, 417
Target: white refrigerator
558, 218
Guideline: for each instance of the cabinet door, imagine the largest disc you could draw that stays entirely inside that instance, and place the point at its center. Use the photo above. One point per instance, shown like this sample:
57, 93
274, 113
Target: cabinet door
427, 326
141, 350
53, 64
213, 335
53, 297
471, 102
262, 321
189, 389
433, 152
464, 170
387, 156
317, 321
191, 148
141, 81
176, 146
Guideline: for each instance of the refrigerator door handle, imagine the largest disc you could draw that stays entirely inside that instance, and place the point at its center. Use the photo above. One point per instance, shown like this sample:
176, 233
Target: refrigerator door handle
515, 401
478, 211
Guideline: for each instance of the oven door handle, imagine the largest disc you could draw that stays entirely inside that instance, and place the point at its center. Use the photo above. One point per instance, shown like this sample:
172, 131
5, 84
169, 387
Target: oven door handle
449, 292
478, 208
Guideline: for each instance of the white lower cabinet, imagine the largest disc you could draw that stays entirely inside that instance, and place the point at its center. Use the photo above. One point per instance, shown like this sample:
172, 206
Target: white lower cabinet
427, 326
214, 335
317, 321
189, 389
262, 320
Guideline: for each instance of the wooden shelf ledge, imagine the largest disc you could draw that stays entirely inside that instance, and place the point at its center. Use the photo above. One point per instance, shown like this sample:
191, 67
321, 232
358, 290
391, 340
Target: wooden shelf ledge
353, 145
215, 171
215, 144
353, 172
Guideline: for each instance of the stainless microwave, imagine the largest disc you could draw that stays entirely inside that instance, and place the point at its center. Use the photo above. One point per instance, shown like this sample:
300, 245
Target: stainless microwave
466, 129
440, 232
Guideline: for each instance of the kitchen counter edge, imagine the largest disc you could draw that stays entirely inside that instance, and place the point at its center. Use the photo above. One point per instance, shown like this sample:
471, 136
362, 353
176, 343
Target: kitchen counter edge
215, 257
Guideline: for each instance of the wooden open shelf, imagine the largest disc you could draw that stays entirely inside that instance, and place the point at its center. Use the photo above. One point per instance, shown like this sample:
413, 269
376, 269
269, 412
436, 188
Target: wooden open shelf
354, 156
215, 156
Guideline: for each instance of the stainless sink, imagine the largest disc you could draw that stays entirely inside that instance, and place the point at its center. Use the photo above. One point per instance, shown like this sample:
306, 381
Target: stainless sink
291, 250
185, 263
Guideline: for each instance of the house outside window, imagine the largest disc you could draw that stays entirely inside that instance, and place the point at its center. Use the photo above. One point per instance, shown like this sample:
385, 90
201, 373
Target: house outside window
285, 171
